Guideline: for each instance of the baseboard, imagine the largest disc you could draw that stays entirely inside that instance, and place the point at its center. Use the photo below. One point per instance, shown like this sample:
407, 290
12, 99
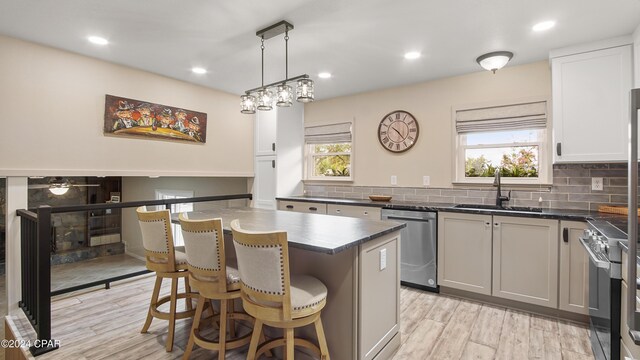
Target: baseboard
516, 305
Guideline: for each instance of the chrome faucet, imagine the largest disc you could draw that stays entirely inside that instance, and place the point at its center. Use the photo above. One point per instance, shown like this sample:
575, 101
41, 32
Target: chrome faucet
499, 197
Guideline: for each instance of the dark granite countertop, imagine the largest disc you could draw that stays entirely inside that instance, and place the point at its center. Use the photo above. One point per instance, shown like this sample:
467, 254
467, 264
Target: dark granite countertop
315, 232
561, 214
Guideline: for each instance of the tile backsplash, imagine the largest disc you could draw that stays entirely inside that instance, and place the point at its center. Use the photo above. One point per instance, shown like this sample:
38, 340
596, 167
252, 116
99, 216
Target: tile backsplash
571, 189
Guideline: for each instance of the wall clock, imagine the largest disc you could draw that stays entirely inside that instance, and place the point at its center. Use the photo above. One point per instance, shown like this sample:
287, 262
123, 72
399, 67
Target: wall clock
398, 131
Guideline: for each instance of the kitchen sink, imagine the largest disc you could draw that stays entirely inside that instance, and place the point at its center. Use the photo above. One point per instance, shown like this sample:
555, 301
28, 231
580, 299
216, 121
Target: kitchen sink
499, 208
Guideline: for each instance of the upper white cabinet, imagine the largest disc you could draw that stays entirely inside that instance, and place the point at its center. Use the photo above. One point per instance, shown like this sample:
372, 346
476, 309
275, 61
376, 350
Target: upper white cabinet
279, 140
590, 87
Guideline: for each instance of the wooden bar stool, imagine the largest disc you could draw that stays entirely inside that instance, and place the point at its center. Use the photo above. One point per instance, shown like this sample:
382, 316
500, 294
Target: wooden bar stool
215, 279
275, 298
168, 263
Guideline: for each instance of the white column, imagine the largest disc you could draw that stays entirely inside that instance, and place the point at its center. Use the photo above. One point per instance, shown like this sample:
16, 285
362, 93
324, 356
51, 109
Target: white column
17, 198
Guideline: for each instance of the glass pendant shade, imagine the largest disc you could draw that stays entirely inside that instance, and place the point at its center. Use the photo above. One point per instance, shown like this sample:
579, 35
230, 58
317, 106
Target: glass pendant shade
304, 90
285, 95
265, 99
59, 190
248, 104
495, 60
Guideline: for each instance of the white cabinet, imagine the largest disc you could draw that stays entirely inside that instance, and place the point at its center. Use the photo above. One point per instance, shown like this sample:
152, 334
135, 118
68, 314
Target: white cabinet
591, 102
363, 212
302, 206
279, 140
464, 252
574, 269
525, 260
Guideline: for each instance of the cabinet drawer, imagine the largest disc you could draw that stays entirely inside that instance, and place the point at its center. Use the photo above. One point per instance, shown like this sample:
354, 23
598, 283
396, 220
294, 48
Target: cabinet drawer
302, 206
363, 212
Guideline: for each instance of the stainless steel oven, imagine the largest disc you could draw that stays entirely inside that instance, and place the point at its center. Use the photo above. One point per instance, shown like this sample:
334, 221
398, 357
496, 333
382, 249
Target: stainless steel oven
604, 289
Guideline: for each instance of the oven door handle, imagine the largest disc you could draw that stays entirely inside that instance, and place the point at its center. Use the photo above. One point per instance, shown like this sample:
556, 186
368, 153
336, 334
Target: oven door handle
592, 256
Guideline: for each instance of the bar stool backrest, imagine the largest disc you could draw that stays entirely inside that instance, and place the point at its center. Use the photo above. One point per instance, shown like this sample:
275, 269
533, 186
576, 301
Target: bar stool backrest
204, 245
157, 239
263, 263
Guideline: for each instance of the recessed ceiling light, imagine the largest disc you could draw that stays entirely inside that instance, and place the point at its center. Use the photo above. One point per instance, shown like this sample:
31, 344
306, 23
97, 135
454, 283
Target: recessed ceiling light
324, 75
545, 25
412, 55
98, 40
199, 70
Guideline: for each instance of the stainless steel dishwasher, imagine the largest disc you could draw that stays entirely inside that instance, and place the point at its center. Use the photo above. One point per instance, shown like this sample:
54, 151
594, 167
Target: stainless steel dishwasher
418, 252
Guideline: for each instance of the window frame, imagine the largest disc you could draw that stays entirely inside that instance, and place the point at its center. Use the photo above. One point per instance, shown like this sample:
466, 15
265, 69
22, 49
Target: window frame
309, 160
544, 152
178, 240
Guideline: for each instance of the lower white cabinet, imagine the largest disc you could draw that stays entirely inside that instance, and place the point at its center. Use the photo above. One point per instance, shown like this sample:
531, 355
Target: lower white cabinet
363, 212
574, 269
302, 206
525, 260
464, 252
516, 258
264, 183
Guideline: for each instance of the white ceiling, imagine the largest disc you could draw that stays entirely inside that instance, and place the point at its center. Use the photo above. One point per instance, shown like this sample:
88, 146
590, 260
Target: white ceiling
361, 42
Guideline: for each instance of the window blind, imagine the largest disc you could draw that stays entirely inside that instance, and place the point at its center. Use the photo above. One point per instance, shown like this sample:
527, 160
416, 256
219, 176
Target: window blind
328, 134
531, 115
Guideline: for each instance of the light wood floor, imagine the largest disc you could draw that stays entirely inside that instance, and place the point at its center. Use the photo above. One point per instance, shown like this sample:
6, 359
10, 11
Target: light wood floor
101, 324
439, 327
82, 272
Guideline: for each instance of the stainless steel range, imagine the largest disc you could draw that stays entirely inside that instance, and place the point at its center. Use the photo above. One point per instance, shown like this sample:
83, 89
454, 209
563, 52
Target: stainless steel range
605, 255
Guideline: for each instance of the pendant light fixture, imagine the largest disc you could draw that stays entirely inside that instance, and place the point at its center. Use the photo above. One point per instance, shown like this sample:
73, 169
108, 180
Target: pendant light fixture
280, 92
494, 61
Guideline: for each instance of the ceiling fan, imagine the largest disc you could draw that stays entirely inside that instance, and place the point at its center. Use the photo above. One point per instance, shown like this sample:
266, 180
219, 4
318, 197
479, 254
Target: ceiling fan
59, 185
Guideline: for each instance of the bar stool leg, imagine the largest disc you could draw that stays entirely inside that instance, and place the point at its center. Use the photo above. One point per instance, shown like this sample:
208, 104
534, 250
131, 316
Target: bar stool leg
172, 314
187, 289
255, 338
322, 341
290, 342
232, 322
154, 301
222, 338
194, 327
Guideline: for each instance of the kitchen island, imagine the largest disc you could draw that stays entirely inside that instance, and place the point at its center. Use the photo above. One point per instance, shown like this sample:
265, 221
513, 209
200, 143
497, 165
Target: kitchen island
358, 260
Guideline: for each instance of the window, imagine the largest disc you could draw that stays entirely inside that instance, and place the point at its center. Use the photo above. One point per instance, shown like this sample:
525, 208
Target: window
511, 139
329, 153
178, 240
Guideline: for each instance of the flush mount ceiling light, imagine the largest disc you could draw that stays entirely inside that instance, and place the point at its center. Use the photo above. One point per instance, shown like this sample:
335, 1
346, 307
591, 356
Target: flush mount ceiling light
97, 40
542, 26
324, 75
494, 61
199, 70
412, 55
280, 92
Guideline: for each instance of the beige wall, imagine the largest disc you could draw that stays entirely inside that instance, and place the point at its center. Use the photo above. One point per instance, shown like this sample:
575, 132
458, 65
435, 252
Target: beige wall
144, 188
431, 104
52, 119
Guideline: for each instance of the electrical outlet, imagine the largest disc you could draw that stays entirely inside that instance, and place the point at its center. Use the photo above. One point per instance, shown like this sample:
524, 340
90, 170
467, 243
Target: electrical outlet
394, 180
383, 259
596, 184
426, 180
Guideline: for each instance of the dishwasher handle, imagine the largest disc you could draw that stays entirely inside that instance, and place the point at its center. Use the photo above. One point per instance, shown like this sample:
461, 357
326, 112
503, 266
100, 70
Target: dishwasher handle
391, 217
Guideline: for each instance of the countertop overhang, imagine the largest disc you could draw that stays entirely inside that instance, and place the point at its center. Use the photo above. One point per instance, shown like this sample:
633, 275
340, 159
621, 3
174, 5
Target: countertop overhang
314, 232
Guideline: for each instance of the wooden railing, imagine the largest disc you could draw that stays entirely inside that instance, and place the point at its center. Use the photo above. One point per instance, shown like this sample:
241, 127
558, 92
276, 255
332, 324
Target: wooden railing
36, 236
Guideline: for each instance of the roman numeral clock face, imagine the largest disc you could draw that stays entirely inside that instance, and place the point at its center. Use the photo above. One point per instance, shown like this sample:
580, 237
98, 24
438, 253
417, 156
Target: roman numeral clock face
398, 131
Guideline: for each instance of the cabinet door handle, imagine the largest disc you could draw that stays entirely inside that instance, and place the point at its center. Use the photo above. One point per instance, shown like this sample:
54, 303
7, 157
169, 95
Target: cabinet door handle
313, 208
565, 235
366, 213
496, 224
289, 206
273, 146
337, 210
559, 149
273, 164
487, 224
